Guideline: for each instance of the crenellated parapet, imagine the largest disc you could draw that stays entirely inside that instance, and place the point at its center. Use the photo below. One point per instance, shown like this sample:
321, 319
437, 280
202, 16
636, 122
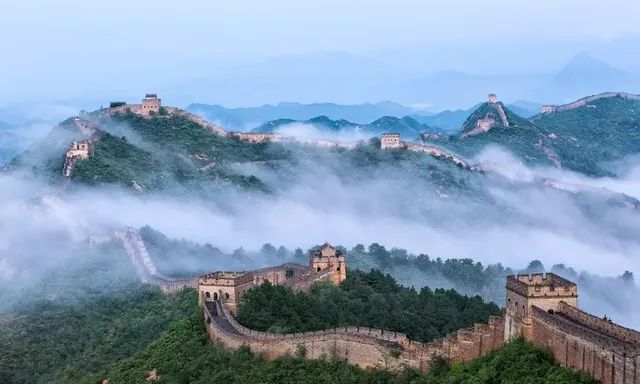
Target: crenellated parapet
363, 346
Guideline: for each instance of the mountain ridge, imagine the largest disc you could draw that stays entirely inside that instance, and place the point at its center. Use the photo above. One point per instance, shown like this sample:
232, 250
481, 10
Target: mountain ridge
607, 123
243, 119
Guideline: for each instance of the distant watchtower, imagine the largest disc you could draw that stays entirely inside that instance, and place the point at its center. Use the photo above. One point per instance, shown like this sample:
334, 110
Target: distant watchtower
390, 140
548, 108
150, 103
328, 256
544, 292
492, 98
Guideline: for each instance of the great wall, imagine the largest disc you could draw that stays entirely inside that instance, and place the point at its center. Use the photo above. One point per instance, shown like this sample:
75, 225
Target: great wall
546, 109
151, 107
541, 308
489, 120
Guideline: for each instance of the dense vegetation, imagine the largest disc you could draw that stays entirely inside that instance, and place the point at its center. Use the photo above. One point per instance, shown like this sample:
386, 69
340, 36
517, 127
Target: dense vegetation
117, 338
365, 299
466, 276
62, 343
521, 137
590, 138
586, 139
116, 161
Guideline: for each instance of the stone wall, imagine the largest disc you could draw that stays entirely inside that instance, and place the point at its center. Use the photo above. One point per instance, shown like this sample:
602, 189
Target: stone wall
365, 347
574, 345
304, 282
600, 325
360, 346
435, 152
586, 100
387, 141
503, 116
255, 137
145, 269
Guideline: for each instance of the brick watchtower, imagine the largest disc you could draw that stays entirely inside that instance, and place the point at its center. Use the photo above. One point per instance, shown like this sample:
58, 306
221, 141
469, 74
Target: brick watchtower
544, 292
390, 140
329, 257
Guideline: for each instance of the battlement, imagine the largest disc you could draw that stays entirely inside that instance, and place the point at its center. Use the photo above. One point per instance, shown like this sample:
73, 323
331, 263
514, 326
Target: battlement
492, 98
231, 279
365, 332
566, 324
598, 324
541, 285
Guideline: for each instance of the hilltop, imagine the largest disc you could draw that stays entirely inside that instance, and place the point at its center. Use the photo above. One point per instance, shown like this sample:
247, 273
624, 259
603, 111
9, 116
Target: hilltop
166, 149
594, 131
176, 153
583, 136
493, 123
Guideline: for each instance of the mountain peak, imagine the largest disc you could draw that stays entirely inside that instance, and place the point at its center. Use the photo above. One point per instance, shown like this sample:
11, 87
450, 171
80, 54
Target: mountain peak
583, 61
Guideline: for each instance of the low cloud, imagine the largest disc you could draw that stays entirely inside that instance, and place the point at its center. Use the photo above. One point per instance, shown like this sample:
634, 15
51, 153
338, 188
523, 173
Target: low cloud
445, 212
316, 132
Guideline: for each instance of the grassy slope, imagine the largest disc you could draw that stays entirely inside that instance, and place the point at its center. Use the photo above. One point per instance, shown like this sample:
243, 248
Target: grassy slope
173, 152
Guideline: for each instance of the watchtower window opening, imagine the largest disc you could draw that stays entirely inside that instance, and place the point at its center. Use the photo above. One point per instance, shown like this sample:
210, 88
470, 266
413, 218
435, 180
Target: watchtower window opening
338, 269
318, 269
207, 295
226, 295
215, 295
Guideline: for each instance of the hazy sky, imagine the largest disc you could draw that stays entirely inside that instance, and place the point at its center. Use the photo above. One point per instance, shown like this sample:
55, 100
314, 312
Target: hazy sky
59, 44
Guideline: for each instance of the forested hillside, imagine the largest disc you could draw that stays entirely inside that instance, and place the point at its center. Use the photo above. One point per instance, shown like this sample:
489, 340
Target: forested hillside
586, 139
370, 300
128, 337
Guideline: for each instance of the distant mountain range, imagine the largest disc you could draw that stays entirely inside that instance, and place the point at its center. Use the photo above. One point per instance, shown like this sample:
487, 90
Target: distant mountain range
259, 119
346, 79
406, 126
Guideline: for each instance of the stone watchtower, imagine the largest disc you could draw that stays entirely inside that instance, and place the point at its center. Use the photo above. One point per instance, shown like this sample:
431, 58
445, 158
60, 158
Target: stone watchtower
228, 287
544, 292
390, 140
328, 257
548, 108
150, 103
492, 98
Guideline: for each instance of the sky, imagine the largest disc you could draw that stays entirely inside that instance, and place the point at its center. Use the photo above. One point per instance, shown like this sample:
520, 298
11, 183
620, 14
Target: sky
75, 48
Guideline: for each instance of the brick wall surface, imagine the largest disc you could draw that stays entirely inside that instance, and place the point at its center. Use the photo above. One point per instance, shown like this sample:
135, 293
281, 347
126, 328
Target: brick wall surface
582, 348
